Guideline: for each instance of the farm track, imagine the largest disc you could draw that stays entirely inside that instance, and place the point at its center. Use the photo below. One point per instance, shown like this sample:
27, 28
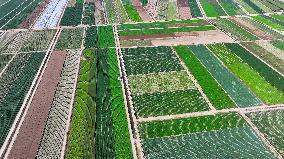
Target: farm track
138, 151
212, 112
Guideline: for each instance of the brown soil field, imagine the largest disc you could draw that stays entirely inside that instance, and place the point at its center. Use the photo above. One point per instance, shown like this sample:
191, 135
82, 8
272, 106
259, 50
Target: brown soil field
263, 35
30, 133
200, 37
183, 9
141, 10
30, 20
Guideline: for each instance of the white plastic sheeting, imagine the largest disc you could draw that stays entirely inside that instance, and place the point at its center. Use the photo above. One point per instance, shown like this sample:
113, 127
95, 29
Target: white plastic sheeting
51, 15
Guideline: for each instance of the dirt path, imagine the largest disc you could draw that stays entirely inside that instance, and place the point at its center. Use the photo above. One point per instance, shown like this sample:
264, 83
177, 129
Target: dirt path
133, 124
30, 133
210, 112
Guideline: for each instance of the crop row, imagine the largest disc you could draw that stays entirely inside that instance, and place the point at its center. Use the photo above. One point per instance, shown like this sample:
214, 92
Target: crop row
150, 60
73, 14
278, 44
231, 7
234, 30
263, 89
267, 52
270, 123
55, 129
270, 75
232, 85
89, 14
212, 8
38, 41
249, 6
225, 143
213, 136
82, 127
210, 87
70, 39
99, 37
14, 12
164, 31
99, 110
116, 12
264, 28
166, 24
275, 24
105, 37
194, 9
191, 125
15, 84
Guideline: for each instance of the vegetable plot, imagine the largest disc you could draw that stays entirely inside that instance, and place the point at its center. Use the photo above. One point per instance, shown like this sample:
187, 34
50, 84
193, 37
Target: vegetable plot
231, 7
216, 136
263, 89
15, 83
271, 124
73, 15
232, 85
150, 60
212, 8
233, 30
214, 91
70, 39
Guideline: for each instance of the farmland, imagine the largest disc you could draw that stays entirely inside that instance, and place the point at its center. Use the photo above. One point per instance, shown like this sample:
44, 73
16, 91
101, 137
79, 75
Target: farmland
145, 79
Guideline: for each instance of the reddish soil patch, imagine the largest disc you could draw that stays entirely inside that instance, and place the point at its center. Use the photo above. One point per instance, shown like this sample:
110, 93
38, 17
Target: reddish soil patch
28, 139
30, 20
141, 10
183, 9
257, 32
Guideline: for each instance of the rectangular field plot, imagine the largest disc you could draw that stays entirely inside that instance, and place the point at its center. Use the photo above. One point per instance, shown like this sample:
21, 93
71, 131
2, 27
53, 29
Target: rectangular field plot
13, 12
214, 91
271, 124
56, 125
260, 30
233, 29
168, 103
216, 136
278, 44
194, 9
212, 8
267, 52
70, 39
150, 60
270, 75
99, 110
38, 41
15, 83
231, 84
250, 6
159, 82
273, 23
263, 89
231, 7
227, 143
